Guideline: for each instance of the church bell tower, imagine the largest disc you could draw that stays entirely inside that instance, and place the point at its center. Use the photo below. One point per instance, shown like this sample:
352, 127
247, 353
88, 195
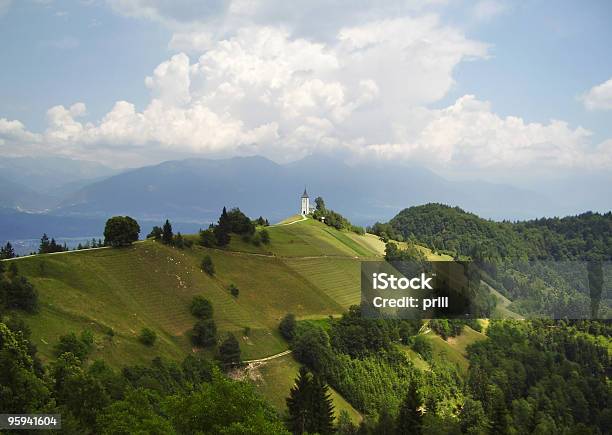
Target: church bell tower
305, 203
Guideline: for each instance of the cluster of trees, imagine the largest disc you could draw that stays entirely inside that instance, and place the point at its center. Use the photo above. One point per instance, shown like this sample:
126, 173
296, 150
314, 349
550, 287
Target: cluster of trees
167, 236
7, 251
332, 218
235, 222
160, 398
539, 377
204, 332
359, 357
526, 261
16, 292
93, 243
455, 231
49, 246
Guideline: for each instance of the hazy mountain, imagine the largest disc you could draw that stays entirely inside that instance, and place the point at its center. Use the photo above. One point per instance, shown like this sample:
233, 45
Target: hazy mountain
16, 196
196, 190
51, 175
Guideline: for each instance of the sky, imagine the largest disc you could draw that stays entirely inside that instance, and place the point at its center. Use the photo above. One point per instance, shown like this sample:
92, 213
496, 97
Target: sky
491, 89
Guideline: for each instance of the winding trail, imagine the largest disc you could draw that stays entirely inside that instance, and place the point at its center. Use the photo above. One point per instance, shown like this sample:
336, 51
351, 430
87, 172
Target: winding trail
268, 358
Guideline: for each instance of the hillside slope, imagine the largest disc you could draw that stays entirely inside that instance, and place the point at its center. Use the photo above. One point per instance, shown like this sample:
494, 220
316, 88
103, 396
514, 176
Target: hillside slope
308, 268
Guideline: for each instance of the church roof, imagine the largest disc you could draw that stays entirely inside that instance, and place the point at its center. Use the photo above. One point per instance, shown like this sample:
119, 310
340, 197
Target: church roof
305, 194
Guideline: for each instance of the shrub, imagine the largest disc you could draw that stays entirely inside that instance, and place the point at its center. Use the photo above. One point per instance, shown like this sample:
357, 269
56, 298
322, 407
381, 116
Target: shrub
234, 290
207, 265
201, 307
71, 343
204, 333
265, 236
229, 351
207, 238
147, 337
287, 327
423, 347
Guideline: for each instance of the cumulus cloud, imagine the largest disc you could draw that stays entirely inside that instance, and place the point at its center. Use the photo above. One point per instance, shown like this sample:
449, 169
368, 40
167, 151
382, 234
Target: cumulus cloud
264, 87
469, 134
599, 97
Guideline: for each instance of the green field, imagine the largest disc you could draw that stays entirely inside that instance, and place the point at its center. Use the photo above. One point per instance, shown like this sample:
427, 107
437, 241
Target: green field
454, 349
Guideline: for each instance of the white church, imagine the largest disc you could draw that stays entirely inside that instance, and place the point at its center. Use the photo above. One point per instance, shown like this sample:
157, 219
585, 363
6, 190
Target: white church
305, 206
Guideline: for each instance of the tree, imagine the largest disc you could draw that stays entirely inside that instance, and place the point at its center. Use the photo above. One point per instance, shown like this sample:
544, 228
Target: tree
234, 291
207, 265
322, 408
310, 407
320, 204
229, 351
201, 307
298, 402
7, 251
121, 231
207, 238
167, 234
43, 247
147, 337
156, 233
70, 343
287, 326
204, 333
222, 229
410, 419
473, 418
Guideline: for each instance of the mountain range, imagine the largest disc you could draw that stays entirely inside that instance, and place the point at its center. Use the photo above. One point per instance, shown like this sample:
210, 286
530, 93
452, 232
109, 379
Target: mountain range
194, 191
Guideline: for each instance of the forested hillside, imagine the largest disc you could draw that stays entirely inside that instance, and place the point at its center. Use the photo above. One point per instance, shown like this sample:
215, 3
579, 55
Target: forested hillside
583, 237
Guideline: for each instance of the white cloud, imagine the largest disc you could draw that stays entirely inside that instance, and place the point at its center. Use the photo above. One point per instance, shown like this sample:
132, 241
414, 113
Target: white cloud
265, 89
468, 134
599, 97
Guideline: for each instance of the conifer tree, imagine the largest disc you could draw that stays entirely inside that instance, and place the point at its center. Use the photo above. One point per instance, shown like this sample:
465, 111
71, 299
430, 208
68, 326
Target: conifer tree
167, 234
222, 229
322, 408
298, 403
7, 251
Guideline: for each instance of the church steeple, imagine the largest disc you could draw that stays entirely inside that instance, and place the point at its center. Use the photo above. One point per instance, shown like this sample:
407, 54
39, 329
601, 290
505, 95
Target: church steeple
305, 204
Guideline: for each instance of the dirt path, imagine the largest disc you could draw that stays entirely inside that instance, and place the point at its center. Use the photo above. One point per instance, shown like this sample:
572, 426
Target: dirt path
290, 223
268, 358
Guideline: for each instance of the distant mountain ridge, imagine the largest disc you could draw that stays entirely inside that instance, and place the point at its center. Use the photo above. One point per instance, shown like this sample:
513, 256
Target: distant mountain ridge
196, 189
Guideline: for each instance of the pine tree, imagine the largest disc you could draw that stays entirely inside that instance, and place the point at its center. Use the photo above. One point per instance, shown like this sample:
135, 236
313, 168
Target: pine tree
43, 248
7, 251
410, 419
167, 234
298, 402
322, 408
222, 229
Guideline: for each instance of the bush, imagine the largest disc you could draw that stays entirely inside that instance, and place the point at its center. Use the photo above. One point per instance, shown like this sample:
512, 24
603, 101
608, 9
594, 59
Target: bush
265, 236
234, 290
287, 327
207, 238
207, 265
201, 307
204, 333
71, 343
147, 337
229, 351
